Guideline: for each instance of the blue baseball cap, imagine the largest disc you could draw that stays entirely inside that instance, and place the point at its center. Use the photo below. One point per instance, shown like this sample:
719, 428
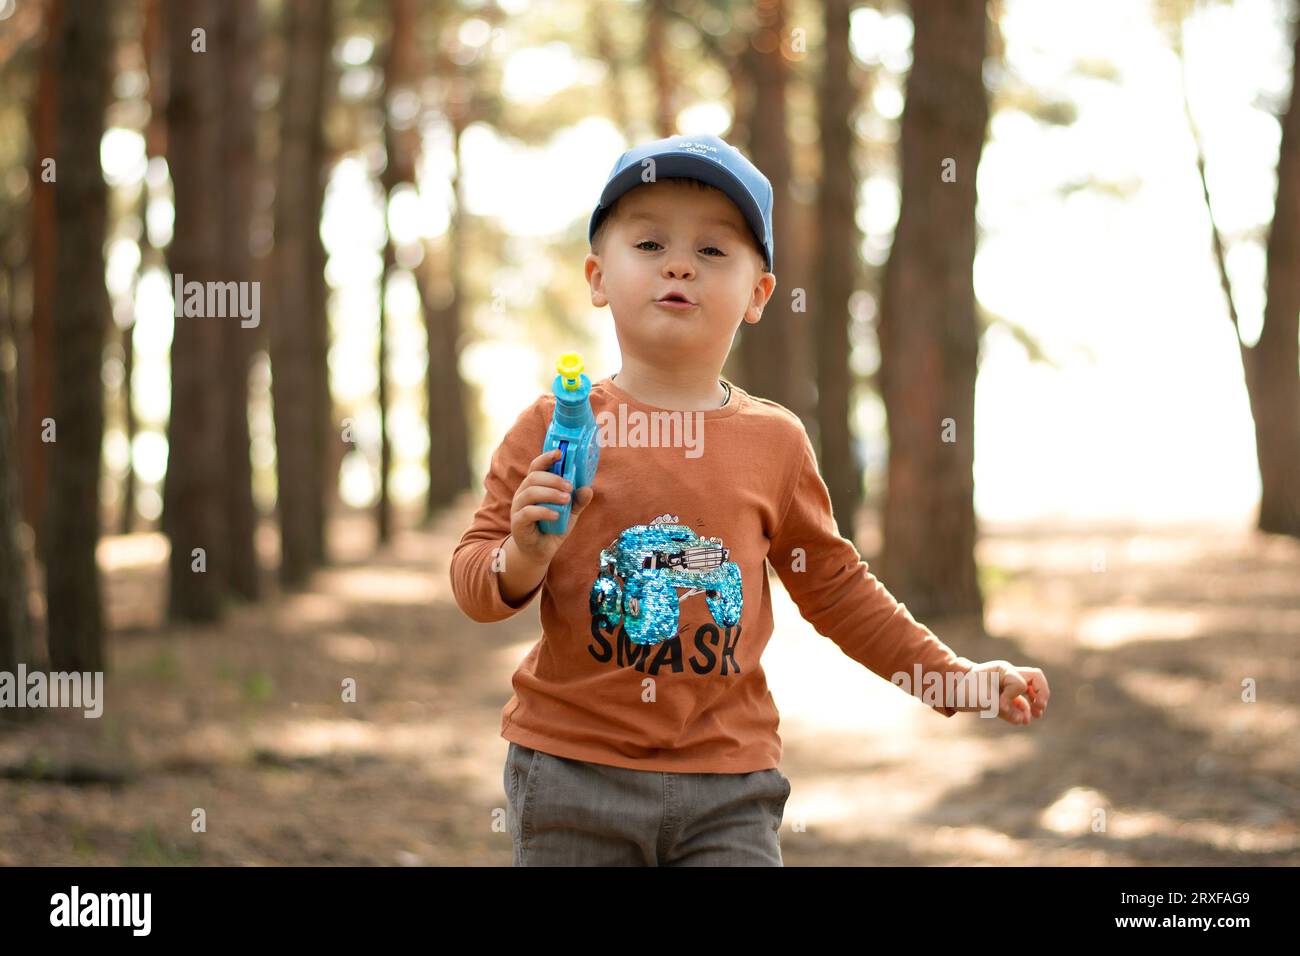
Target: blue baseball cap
703, 157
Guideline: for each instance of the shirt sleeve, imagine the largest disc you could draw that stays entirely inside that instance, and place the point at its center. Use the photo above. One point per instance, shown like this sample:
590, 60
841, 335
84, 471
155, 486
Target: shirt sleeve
475, 580
837, 593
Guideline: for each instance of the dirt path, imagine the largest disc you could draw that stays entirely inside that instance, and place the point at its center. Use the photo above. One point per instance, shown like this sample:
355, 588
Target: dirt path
1148, 754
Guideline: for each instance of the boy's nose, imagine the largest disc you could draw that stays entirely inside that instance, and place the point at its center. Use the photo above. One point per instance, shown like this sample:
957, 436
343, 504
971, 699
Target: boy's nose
677, 270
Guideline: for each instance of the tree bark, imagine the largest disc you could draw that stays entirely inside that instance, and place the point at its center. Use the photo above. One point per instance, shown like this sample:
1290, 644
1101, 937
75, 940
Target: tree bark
665, 80
607, 51
1270, 365
929, 337
192, 499
399, 168
773, 362
838, 268
155, 145
237, 42
36, 386
126, 517
1273, 365
324, 470
80, 325
448, 458
15, 626
298, 334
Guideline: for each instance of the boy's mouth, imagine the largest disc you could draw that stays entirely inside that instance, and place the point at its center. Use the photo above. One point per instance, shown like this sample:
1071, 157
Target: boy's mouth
675, 300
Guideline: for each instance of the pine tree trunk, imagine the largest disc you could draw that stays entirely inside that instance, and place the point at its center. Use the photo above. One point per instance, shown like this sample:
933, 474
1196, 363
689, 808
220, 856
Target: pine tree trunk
399, 149
36, 379
15, 627
155, 139
449, 398
448, 458
608, 53
192, 493
238, 48
929, 336
838, 268
661, 70
126, 517
772, 360
324, 470
1273, 364
297, 322
383, 507
80, 325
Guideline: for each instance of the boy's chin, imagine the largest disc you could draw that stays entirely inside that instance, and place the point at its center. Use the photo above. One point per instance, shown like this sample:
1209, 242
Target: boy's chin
660, 344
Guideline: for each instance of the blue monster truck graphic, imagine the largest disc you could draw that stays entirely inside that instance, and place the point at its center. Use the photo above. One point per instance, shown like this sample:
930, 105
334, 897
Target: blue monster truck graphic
642, 569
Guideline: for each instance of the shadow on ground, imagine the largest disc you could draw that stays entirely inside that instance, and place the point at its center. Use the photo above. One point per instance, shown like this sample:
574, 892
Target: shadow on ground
234, 744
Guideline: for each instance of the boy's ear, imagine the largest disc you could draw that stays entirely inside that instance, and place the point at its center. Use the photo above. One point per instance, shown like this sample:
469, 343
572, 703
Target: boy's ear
596, 279
762, 296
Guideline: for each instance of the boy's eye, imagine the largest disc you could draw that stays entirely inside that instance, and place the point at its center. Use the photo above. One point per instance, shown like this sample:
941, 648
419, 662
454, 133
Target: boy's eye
651, 242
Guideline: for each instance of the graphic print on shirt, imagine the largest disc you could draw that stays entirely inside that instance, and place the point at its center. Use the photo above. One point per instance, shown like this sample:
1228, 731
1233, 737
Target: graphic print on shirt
645, 574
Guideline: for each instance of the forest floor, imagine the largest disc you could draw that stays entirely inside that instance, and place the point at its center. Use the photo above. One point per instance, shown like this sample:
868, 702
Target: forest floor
1147, 755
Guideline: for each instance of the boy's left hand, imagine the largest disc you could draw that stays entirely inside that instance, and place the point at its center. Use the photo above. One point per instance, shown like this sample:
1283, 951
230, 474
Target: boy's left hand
1023, 691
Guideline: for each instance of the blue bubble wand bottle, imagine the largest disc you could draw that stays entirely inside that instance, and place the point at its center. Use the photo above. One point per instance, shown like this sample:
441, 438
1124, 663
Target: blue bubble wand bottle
573, 431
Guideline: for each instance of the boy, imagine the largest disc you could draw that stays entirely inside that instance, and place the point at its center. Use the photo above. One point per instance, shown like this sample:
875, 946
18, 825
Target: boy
641, 730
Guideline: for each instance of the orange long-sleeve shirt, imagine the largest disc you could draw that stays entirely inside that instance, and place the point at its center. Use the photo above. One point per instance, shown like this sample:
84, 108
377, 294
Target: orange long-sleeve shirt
739, 488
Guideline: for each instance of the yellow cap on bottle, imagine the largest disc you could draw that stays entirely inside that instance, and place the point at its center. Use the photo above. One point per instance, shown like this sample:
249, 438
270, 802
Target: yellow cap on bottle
570, 369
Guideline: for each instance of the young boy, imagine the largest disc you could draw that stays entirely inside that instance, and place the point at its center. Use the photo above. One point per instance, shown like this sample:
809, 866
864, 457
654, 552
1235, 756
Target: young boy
641, 730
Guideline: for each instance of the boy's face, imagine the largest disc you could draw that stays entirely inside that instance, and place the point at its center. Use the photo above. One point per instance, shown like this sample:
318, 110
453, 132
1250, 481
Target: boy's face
671, 237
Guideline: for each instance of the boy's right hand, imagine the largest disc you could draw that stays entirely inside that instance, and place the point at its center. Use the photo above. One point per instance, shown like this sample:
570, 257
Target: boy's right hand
541, 484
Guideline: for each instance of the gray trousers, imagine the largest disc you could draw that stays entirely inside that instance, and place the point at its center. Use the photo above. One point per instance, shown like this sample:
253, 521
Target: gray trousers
565, 812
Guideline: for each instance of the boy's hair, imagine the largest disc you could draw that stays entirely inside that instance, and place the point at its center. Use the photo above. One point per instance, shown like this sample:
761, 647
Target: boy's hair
598, 238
